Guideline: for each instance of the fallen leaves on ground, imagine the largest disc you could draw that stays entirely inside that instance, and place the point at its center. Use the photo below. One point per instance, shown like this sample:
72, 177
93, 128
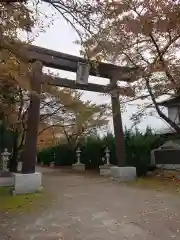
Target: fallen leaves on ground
158, 183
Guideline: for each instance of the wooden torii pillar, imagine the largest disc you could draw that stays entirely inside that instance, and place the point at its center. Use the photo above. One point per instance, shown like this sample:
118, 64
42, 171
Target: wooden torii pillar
118, 126
29, 154
45, 57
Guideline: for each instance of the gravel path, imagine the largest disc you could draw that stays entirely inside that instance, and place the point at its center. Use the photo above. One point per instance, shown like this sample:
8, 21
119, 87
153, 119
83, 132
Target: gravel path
89, 207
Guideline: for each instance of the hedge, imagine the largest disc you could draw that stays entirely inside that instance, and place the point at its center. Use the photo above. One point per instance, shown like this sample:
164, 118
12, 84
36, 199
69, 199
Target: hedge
6, 138
138, 148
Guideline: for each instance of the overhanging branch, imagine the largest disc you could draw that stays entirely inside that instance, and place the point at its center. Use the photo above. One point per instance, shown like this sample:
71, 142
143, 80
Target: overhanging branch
160, 113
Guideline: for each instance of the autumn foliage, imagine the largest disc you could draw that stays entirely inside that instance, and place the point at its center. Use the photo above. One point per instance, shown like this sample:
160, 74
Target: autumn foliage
145, 34
62, 112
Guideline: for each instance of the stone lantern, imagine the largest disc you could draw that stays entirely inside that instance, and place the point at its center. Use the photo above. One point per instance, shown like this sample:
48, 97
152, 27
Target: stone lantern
105, 169
107, 154
5, 160
78, 154
78, 165
52, 164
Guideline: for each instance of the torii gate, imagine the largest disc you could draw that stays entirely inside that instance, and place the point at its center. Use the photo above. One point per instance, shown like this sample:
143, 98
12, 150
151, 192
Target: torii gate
53, 59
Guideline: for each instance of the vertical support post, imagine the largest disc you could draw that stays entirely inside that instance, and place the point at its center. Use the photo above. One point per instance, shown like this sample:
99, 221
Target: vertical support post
30, 148
118, 128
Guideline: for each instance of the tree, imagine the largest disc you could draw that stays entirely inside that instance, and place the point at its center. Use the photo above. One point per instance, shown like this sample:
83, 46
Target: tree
16, 18
16, 119
84, 120
62, 113
68, 115
144, 34
80, 15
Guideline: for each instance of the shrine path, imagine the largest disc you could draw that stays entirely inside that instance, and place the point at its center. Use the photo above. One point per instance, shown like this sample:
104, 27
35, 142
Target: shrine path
89, 207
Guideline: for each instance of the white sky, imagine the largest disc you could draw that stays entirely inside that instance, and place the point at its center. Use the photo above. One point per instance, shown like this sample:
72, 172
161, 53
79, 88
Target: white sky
60, 37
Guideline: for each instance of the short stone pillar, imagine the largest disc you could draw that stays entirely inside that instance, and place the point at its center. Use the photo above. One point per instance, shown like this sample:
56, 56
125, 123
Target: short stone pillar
5, 160
105, 169
123, 173
78, 165
27, 183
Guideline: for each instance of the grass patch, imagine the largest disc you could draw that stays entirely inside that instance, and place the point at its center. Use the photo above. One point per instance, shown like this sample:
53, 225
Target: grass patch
19, 203
4, 191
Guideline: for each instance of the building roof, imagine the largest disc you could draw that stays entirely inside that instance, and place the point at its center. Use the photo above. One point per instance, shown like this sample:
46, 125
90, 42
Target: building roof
174, 101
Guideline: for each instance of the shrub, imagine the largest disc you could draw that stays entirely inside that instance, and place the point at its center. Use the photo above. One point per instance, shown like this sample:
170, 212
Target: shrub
138, 148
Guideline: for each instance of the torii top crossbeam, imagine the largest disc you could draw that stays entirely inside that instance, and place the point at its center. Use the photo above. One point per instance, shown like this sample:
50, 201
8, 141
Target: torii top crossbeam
62, 61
